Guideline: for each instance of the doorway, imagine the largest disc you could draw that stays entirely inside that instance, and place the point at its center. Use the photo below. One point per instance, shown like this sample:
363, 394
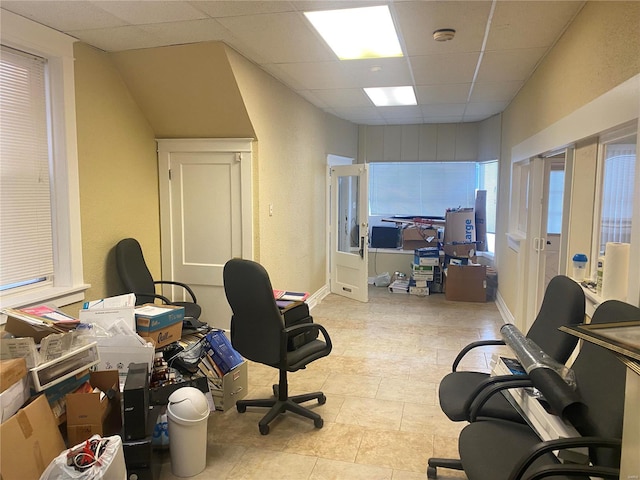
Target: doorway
547, 226
348, 231
205, 216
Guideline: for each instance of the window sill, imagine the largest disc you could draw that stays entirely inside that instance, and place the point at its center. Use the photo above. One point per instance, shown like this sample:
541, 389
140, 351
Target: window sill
390, 250
57, 296
514, 240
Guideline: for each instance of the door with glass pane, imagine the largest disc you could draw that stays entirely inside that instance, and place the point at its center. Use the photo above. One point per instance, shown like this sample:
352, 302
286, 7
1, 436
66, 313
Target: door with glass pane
546, 228
349, 231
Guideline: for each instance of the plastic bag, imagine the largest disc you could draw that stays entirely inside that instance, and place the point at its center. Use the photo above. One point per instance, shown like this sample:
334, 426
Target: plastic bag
382, 280
98, 458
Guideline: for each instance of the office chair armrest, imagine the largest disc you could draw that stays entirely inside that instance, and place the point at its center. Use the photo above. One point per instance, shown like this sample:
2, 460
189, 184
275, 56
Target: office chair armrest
561, 444
582, 471
179, 284
484, 396
502, 379
470, 347
309, 327
154, 295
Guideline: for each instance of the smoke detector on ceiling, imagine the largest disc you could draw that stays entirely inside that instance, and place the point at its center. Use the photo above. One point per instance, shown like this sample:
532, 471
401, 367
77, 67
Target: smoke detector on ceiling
444, 34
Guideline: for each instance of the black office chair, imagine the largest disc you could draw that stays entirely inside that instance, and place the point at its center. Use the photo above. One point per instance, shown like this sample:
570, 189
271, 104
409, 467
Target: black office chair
258, 333
137, 279
563, 304
495, 448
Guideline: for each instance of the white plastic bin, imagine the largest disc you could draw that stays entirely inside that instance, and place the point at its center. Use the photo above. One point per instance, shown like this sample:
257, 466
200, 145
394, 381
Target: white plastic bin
187, 412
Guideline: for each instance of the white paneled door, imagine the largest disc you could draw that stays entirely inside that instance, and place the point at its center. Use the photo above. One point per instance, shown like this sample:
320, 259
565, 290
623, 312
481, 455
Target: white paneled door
205, 208
349, 231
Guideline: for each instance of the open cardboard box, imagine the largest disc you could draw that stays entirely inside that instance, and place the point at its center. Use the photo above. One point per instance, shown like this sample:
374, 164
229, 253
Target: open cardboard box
29, 441
93, 413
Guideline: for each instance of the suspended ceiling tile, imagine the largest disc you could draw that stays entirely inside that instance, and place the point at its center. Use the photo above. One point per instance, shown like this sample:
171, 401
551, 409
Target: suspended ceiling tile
509, 65
530, 24
495, 91
417, 20
271, 35
445, 93
443, 109
117, 39
345, 97
234, 8
443, 118
485, 108
189, 32
64, 15
144, 13
441, 69
412, 111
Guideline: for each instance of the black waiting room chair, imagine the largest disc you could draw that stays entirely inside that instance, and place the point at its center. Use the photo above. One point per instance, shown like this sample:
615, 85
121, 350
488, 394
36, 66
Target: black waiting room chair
563, 304
259, 334
137, 279
497, 449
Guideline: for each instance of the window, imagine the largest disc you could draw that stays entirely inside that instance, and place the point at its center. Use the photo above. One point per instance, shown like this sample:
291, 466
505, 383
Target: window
618, 175
556, 197
430, 188
26, 251
50, 196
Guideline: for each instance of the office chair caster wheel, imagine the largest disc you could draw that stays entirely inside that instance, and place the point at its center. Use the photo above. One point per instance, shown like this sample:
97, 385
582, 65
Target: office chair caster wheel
318, 423
322, 400
241, 408
264, 429
432, 472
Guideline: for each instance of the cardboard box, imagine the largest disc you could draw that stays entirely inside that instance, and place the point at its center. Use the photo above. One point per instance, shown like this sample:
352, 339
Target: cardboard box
161, 324
460, 226
94, 413
460, 250
234, 388
11, 372
466, 283
13, 398
20, 348
418, 237
20, 328
118, 357
29, 441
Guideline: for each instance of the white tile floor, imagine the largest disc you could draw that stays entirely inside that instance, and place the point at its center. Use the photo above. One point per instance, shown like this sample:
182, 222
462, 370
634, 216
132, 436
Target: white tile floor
381, 418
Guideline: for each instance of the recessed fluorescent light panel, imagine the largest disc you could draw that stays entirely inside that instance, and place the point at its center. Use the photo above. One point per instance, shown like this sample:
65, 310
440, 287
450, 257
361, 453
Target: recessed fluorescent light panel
391, 96
355, 33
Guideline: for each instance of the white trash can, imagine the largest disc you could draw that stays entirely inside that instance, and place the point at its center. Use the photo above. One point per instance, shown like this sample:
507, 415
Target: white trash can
187, 412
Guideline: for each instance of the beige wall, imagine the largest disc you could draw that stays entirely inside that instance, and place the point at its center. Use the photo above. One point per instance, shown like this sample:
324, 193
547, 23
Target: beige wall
118, 163
293, 140
118, 172
598, 51
186, 91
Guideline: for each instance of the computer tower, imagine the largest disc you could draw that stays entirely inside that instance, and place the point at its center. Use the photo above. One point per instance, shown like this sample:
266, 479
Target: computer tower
136, 402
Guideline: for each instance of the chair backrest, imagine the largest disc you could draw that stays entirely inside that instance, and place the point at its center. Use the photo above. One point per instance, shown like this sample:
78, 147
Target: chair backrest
563, 304
133, 270
601, 383
256, 324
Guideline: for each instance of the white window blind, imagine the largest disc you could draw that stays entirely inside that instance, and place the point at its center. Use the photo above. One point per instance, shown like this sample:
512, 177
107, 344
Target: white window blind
26, 252
617, 193
426, 189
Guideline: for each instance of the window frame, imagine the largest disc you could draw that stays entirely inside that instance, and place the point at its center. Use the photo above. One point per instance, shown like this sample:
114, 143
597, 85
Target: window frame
68, 286
604, 139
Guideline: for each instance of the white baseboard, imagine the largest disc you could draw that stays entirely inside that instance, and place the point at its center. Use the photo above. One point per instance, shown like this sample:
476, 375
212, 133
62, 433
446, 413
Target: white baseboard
317, 296
505, 313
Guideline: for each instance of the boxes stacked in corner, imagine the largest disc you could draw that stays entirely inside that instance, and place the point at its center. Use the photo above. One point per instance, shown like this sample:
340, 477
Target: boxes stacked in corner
424, 270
